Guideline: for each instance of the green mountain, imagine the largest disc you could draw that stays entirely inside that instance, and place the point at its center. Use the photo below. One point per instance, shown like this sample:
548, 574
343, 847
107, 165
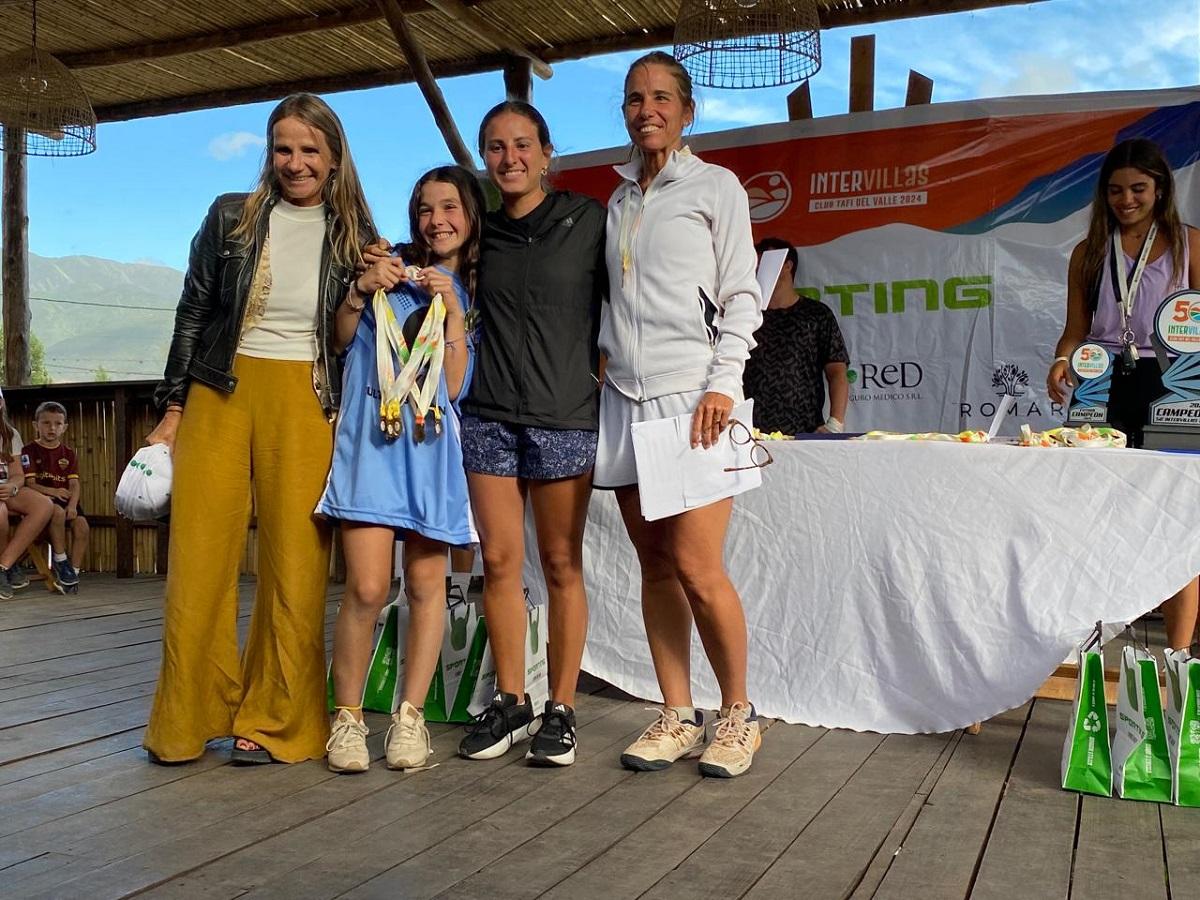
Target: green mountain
91, 313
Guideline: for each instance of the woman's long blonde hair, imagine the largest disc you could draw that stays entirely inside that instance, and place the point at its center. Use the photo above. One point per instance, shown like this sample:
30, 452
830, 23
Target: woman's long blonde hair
352, 222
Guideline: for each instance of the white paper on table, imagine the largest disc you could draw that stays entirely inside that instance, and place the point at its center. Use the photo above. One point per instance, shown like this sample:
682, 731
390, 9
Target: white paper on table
674, 477
1007, 402
769, 267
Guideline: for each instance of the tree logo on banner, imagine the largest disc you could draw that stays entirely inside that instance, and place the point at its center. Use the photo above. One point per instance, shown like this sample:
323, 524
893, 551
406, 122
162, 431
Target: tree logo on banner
1010, 380
769, 193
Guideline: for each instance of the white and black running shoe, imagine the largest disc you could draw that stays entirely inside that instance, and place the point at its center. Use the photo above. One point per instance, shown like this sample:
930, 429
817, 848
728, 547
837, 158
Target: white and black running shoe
554, 744
505, 722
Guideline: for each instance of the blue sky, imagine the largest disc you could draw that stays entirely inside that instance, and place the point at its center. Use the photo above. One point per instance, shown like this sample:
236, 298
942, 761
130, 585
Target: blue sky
141, 196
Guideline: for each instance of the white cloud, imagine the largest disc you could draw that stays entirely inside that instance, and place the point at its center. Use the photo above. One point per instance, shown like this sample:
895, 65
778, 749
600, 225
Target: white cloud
232, 144
1035, 73
737, 112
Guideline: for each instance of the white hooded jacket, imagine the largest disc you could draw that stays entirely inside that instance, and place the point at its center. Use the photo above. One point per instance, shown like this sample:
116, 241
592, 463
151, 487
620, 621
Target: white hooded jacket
683, 300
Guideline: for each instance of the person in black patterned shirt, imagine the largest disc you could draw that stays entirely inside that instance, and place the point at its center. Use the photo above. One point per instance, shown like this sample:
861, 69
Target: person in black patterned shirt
800, 347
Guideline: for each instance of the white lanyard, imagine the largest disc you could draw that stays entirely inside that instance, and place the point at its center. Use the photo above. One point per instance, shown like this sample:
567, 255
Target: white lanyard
1127, 290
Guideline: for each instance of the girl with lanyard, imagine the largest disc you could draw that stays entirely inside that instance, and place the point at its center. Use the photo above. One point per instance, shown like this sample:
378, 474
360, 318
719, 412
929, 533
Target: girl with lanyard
684, 305
397, 459
1136, 253
529, 424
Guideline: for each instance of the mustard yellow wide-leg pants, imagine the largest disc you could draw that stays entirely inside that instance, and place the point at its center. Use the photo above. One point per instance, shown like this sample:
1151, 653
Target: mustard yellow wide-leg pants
269, 435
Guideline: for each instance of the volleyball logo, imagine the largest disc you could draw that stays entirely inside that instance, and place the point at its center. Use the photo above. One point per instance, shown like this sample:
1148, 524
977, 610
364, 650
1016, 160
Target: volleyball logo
769, 193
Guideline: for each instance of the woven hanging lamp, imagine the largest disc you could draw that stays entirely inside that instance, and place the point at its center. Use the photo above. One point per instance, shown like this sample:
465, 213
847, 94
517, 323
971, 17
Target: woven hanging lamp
748, 43
44, 104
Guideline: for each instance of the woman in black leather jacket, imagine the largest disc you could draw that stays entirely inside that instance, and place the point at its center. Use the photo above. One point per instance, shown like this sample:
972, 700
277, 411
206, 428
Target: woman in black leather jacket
250, 387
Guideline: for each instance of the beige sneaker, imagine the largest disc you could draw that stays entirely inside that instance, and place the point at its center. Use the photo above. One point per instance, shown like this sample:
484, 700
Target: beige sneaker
407, 741
667, 740
733, 744
347, 746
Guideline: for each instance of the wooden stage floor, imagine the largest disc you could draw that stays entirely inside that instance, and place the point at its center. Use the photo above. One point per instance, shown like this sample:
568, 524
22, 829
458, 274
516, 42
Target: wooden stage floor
822, 814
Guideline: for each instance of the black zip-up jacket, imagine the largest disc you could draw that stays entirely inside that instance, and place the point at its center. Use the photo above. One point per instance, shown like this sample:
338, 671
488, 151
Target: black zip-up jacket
539, 299
208, 320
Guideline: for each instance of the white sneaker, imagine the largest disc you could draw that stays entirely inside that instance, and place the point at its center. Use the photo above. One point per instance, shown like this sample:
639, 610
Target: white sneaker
407, 740
734, 741
668, 739
347, 745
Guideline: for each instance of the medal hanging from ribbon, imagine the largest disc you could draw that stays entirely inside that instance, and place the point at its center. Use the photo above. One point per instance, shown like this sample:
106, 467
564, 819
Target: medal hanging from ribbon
420, 367
1126, 292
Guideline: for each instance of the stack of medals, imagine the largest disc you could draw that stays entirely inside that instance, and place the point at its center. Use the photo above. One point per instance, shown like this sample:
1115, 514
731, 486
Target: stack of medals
424, 359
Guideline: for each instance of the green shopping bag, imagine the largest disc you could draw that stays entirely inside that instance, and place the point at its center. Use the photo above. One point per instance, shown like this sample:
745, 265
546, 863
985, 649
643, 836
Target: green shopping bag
1086, 759
384, 674
479, 680
462, 632
1141, 758
1183, 726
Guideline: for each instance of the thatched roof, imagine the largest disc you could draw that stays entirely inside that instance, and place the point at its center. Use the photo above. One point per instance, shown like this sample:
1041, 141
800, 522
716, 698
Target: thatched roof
152, 57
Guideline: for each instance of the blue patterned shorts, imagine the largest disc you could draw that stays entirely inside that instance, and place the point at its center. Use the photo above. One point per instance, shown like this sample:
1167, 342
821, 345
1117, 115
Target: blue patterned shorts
524, 451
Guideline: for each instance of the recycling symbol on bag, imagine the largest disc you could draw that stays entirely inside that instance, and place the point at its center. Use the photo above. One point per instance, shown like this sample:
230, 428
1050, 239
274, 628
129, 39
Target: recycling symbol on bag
1091, 722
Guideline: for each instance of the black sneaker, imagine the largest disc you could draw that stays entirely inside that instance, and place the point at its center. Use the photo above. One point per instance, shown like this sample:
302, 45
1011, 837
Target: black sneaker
505, 722
6, 588
65, 573
554, 744
17, 577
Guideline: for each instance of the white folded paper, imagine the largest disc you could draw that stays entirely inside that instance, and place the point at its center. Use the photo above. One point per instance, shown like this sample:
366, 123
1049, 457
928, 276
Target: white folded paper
770, 264
674, 477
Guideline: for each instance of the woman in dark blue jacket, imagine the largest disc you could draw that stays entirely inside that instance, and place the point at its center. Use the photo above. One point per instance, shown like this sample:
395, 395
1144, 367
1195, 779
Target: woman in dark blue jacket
530, 424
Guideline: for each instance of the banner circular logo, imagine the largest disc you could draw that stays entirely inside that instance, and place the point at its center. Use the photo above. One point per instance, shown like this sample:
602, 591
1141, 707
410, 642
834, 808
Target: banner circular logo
769, 194
1090, 361
1177, 322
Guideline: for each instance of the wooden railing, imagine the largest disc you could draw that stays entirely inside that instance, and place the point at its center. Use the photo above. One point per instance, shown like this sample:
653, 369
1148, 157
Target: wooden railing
106, 423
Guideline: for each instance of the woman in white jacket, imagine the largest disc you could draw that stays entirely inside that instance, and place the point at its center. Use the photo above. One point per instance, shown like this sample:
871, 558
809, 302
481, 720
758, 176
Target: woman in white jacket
684, 305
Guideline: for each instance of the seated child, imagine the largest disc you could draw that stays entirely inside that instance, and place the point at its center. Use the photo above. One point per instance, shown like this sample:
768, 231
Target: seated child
52, 469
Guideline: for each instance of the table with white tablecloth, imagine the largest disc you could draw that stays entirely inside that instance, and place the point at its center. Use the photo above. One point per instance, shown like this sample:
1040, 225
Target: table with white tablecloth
915, 587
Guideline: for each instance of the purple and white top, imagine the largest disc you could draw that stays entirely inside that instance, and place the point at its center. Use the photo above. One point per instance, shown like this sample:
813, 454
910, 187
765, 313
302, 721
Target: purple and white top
1157, 284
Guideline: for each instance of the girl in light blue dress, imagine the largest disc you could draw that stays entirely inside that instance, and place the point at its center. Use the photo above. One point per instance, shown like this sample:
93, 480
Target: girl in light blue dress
397, 458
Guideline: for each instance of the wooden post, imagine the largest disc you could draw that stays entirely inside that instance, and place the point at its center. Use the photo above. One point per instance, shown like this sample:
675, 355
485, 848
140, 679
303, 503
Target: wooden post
920, 89
16, 260
799, 103
862, 73
518, 79
426, 82
121, 426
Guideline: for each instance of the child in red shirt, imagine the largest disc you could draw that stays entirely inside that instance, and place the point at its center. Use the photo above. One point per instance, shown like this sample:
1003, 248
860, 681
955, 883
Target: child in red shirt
52, 469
